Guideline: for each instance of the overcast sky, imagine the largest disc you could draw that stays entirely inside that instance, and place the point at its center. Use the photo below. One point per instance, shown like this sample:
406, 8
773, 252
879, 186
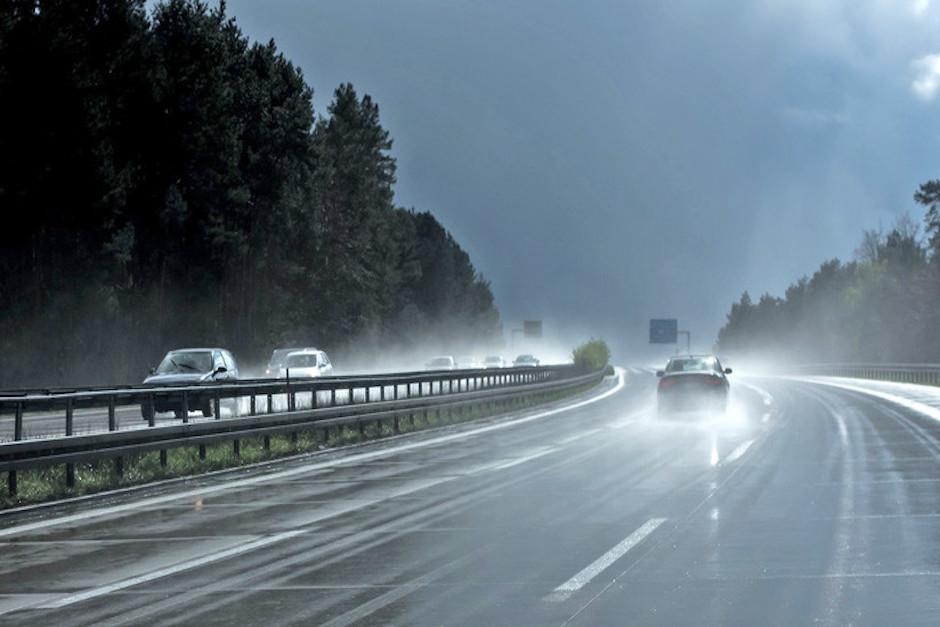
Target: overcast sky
604, 162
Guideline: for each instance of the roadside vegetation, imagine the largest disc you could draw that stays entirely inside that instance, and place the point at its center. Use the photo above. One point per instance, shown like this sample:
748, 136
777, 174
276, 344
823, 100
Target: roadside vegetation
38, 486
879, 307
172, 186
591, 356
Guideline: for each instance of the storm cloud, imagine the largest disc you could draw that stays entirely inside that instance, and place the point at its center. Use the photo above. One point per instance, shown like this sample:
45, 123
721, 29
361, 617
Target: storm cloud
606, 162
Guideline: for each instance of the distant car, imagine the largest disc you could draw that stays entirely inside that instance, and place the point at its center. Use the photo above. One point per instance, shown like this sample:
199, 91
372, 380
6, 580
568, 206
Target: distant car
191, 366
444, 362
468, 362
306, 364
525, 361
493, 361
692, 382
277, 359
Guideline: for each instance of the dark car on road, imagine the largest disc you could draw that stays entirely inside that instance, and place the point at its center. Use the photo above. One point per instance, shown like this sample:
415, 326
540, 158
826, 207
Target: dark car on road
692, 382
190, 366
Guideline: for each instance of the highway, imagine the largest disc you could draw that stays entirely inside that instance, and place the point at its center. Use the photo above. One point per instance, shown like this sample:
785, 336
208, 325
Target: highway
808, 503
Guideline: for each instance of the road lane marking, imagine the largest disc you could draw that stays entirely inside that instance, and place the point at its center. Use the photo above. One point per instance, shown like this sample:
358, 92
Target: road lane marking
259, 542
765, 396
525, 459
565, 590
738, 452
129, 508
579, 436
169, 570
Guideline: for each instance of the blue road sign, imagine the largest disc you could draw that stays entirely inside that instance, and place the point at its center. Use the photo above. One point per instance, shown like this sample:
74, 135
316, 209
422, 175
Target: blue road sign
664, 331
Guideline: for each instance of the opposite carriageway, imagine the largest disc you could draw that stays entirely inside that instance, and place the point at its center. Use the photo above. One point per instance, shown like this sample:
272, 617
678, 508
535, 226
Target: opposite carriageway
304, 405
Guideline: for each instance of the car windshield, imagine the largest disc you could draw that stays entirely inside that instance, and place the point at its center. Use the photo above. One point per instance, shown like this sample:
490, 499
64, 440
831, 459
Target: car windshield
525, 358
186, 362
692, 364
440, 361
303, 360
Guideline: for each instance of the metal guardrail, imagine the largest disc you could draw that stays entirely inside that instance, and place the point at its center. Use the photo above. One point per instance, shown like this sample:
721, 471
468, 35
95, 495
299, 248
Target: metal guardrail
385, 398
922, 374
247, 382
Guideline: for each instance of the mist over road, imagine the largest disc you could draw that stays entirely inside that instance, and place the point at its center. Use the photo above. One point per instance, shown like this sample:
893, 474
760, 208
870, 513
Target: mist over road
805, 503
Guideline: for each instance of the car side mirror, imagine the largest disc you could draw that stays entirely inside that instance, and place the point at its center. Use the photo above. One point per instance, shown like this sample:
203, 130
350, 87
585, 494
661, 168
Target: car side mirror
727, 370
221, 369
660, 373
153, 371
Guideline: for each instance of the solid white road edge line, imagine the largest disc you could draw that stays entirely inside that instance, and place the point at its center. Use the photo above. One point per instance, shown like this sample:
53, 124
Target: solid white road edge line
927, 410
565, 590
128, 508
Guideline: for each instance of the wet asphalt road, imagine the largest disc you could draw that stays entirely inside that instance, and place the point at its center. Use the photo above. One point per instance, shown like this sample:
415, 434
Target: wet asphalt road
806, 504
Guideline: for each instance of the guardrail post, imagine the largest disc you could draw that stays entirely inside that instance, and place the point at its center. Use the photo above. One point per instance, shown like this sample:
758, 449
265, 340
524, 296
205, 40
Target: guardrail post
217, 406
395, 426
396, 391
270, 406
202, 452
112, 420
184, 406
368, 390
252, 407
237, 447
151, 412
11, 482
382, 392
18, 425
163, 459
349, 399
267, 443
69, 417
69, 427
119, 466
333, 397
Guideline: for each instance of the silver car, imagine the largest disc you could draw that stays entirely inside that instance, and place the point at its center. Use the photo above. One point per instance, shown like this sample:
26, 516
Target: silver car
306, 364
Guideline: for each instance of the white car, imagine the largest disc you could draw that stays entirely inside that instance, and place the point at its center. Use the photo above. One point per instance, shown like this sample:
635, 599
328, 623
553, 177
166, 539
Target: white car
444, 362
493, 361
306, 364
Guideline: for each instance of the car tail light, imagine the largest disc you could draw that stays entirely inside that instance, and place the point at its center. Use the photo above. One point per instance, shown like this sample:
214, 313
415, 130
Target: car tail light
714, 380
666, 382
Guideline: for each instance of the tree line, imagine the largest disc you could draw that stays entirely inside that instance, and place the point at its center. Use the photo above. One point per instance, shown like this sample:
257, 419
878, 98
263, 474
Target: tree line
165, 182
881, 306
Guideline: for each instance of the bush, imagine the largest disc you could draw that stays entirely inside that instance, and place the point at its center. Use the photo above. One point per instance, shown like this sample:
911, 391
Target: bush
591, 356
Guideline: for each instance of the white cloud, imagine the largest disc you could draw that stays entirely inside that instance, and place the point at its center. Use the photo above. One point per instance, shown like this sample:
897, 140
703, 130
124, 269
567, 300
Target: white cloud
927, 76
